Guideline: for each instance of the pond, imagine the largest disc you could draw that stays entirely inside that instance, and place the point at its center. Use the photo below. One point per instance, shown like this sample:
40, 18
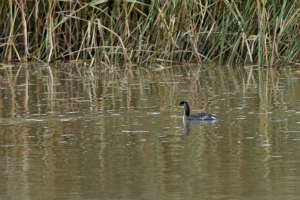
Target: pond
73, 132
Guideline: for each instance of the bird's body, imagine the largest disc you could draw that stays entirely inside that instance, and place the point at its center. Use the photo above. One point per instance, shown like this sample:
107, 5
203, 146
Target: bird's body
197, 116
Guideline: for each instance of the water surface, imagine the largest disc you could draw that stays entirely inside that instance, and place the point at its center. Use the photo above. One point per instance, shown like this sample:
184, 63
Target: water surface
73, 132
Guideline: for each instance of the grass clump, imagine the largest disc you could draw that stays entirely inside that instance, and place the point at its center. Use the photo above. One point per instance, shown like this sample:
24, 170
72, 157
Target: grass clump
189, 31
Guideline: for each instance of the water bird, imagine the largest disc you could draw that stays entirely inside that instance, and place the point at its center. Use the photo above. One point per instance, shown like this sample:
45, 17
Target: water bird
197, 116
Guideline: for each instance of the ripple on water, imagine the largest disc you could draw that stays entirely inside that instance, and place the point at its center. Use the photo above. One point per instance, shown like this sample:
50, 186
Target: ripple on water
128, 131
266, 145
153, 113
68, 120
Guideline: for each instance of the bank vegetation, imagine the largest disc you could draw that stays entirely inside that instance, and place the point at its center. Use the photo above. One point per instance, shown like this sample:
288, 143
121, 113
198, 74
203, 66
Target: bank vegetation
257, 32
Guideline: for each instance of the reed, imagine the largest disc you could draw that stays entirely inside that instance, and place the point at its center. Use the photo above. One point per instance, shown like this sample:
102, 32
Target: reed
260, 32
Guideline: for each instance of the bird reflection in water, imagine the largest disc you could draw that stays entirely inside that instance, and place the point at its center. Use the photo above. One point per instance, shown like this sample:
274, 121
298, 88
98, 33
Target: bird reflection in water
188, 124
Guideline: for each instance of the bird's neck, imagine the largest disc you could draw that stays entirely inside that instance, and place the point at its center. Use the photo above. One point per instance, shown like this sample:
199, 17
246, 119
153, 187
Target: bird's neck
186, 110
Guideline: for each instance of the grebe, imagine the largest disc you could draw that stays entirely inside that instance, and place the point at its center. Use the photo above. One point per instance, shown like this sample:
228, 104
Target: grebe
197, 116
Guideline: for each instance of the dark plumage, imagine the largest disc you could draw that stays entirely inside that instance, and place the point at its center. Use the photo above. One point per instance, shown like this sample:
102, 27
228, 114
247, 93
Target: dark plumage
197, 116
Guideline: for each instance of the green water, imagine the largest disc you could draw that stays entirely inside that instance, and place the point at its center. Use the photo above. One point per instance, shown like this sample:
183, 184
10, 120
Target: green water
70, 132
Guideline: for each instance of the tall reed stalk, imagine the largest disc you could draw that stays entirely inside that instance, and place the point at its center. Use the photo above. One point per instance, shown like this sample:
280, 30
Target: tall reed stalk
226, 31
